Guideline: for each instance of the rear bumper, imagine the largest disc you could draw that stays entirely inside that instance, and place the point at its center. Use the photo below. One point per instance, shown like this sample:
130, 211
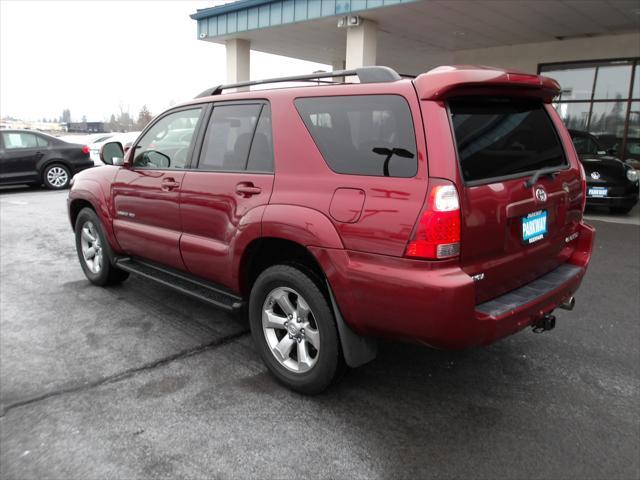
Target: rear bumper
435, 304
80, 166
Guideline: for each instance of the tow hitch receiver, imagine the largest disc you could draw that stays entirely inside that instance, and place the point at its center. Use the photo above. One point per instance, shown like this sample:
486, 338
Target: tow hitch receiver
544, 323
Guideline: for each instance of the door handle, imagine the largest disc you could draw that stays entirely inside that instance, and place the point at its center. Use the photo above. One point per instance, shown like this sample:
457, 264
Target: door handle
246, 189
169, 184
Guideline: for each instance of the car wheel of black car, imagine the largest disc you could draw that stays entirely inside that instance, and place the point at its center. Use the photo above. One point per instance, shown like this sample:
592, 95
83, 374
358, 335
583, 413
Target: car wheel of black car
293, 327
620, 210
94, 251
56, 176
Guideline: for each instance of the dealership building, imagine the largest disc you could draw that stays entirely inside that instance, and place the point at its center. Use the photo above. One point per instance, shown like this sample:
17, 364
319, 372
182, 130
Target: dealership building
592, 47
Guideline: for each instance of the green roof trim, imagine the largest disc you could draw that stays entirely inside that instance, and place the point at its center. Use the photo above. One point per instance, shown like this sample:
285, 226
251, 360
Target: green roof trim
246, 15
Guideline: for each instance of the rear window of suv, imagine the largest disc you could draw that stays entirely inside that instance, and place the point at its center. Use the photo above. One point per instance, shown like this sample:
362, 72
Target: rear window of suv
502, 137
362, 135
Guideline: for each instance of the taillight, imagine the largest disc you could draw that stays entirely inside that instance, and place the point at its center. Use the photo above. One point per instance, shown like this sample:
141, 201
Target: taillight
437, 234
85, 149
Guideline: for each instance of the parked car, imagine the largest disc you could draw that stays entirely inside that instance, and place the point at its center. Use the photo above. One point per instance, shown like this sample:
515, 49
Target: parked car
631, 155
613, 145
444, 209
28, 157
610, 181
85, 139
126, 139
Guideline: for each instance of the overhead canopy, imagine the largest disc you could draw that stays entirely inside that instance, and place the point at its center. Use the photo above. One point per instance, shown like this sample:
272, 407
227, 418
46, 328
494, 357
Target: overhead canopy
412, 34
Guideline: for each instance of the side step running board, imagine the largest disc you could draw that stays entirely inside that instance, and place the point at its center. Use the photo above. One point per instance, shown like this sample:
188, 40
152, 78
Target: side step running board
183, 283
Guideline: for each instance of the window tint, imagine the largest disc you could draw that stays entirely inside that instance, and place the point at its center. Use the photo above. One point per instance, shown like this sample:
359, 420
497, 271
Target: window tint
362, 135
228, 138
41, 141
167, 143
261, 154
19, 140
500, 137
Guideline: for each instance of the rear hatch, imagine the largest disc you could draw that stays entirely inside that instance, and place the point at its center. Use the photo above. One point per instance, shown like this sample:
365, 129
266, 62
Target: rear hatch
514, 227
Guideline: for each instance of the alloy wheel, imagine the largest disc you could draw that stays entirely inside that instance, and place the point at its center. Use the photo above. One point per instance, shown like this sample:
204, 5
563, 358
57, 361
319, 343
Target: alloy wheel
57, 176
91, 247
290, 330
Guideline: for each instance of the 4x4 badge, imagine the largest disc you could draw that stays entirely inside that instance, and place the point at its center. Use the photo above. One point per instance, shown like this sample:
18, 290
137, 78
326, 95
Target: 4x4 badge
541, 195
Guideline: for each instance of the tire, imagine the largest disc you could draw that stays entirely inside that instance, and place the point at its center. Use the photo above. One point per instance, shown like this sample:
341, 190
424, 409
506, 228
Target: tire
56, 176
620, 210
94, 252
312, 358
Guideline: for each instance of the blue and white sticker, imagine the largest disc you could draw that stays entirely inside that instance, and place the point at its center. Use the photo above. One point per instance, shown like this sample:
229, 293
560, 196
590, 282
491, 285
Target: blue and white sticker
534, 226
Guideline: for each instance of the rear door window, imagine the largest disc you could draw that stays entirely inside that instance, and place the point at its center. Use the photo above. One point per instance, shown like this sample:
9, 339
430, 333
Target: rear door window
362, 135
261, 154
229, 135
502, 137
42, 142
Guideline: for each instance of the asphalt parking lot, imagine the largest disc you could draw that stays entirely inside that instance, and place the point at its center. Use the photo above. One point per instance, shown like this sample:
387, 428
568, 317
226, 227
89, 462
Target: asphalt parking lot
136, 381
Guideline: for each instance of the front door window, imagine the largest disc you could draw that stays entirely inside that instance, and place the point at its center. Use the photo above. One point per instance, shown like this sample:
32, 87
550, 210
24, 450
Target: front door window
167, 144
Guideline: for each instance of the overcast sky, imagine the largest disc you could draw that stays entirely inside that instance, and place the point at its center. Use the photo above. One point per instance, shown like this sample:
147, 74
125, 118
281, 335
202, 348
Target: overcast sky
94, 57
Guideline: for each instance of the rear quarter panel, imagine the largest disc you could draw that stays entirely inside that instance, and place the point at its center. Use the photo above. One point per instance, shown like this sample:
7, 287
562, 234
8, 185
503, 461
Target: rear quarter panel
303, 178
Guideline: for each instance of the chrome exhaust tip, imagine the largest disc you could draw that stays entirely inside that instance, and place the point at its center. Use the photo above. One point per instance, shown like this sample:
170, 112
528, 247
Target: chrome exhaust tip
568, 304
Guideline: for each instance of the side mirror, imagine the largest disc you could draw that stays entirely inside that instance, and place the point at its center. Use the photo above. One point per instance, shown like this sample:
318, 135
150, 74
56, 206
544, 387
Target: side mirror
112, 153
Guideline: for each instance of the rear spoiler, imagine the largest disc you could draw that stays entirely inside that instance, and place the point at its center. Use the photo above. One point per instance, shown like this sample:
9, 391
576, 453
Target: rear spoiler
443, 82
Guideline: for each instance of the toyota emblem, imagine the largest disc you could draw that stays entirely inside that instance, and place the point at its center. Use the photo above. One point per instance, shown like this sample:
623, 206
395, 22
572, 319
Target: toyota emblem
595, 175
541, 195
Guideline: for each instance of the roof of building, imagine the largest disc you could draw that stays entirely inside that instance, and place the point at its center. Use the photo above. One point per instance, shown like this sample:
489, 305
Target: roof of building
413, 35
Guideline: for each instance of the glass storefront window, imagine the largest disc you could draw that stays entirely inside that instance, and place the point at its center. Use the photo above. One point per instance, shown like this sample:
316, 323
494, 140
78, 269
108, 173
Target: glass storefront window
632, 147
613, 82
574, 115
608, 118
609, 109
576, 83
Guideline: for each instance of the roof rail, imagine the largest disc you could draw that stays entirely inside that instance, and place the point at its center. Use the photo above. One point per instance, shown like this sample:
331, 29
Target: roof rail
365, 74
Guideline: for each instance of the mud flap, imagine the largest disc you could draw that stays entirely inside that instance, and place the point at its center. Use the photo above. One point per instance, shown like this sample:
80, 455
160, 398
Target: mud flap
357, 350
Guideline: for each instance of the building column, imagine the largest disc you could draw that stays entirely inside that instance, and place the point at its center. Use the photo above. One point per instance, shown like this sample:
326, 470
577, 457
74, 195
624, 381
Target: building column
361, 45
238, 60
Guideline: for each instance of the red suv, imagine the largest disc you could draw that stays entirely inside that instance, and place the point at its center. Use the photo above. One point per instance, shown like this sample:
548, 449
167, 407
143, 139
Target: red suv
444, 209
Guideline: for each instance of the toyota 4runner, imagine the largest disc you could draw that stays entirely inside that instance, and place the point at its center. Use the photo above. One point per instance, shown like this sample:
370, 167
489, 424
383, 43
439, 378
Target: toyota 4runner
444, 209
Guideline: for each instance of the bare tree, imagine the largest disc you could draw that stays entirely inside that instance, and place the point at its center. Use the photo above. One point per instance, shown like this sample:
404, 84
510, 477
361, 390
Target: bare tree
144, 117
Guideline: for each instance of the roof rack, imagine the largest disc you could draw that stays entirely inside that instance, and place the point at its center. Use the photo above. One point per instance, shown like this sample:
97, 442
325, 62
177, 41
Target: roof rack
365, 74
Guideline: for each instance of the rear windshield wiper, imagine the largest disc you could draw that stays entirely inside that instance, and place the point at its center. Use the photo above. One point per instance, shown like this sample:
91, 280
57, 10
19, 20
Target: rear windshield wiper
550, 171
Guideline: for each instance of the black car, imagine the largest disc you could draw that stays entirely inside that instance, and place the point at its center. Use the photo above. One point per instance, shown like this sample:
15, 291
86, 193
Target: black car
610, 181
28, 157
